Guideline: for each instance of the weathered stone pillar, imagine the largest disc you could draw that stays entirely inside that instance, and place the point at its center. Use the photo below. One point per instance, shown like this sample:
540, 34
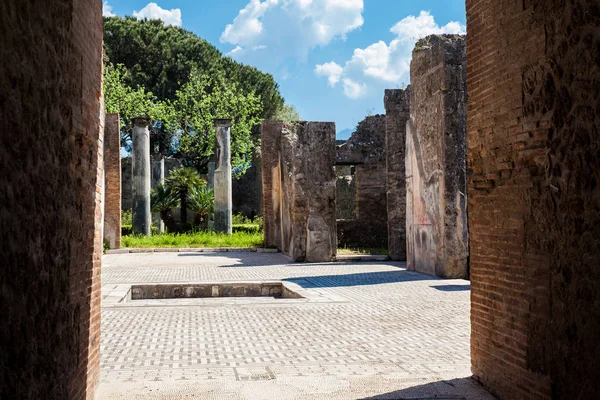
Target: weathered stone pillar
299, 189
211, 185
142, 218
158, 178
112, 181
397, 113
436, 178
223, 198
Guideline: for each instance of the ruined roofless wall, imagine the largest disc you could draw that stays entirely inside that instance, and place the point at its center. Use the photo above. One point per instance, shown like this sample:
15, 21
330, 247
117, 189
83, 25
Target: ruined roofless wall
112, 181
436, 181
366, 150
299, 189
534, 196
50, 191
397, 113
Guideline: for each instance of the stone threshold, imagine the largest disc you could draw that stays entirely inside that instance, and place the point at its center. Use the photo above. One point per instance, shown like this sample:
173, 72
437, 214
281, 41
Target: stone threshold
193, 250
358, 258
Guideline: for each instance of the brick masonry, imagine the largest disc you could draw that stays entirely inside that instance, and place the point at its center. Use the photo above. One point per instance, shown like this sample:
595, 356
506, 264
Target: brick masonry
436, 179
397, 113
534, 200
50, 189
112, 181
299, 189
366, 151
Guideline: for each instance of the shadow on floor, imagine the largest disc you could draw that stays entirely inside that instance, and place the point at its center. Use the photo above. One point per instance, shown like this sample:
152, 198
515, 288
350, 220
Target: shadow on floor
360, 279
452, 288
455, 389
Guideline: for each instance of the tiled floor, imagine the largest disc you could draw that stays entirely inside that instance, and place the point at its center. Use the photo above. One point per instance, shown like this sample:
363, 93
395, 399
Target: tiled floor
377, 331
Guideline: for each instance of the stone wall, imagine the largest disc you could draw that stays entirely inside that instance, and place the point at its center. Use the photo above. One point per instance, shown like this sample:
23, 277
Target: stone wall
127, 178
397, 113
436, 181
50, 189
246, 192
534, 199
299, 189
345, 192
112, 181
366, 150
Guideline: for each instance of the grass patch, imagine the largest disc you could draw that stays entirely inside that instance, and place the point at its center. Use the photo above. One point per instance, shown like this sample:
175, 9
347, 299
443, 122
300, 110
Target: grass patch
197, 239
366, 251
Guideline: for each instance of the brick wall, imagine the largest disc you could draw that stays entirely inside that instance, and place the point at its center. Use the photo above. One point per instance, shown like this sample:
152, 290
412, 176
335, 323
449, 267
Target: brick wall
436, 178
397, 113
50, 189
534, 200
112, 181
299, 189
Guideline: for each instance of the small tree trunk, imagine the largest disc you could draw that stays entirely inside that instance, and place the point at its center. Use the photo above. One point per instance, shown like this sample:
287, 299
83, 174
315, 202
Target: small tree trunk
167, 217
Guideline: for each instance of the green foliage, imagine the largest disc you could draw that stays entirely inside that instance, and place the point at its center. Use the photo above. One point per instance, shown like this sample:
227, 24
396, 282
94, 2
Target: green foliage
162, 199
197, 239
287, 113
161, 59
201, 200
180, 182
204, 98
126, 217
240, 219
247, 228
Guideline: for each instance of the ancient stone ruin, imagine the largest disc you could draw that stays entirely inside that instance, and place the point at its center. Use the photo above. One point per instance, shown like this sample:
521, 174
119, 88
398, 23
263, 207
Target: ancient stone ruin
140, 160
112, 181
436, 172
397, 109
222, 177
365, 152
299, 189
534, 208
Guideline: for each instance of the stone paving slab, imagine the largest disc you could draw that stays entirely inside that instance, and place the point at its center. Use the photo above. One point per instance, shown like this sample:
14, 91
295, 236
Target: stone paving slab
392, 334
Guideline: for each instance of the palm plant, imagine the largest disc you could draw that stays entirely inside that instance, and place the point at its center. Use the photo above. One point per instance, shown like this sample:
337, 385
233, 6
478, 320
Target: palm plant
202, 202
162, 201
180, 181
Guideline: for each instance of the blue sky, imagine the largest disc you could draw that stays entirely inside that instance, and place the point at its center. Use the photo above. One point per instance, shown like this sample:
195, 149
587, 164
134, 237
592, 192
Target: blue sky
332, 58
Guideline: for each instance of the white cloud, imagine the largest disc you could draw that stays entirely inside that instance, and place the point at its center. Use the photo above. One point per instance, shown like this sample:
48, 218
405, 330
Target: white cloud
389, 64
154, 11
331, 70
414, 28
292, 27
237, 50
107, 10
354, 90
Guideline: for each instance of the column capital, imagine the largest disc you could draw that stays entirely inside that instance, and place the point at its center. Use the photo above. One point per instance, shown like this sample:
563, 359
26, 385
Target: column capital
222, 122
142, 121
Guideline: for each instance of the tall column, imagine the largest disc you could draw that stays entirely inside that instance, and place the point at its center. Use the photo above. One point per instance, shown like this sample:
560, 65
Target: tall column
211, 185
158, 178
112, 181
142, 218
223, 198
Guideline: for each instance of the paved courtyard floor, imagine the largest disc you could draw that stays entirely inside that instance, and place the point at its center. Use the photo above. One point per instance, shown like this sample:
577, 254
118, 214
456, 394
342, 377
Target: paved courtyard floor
363, 331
